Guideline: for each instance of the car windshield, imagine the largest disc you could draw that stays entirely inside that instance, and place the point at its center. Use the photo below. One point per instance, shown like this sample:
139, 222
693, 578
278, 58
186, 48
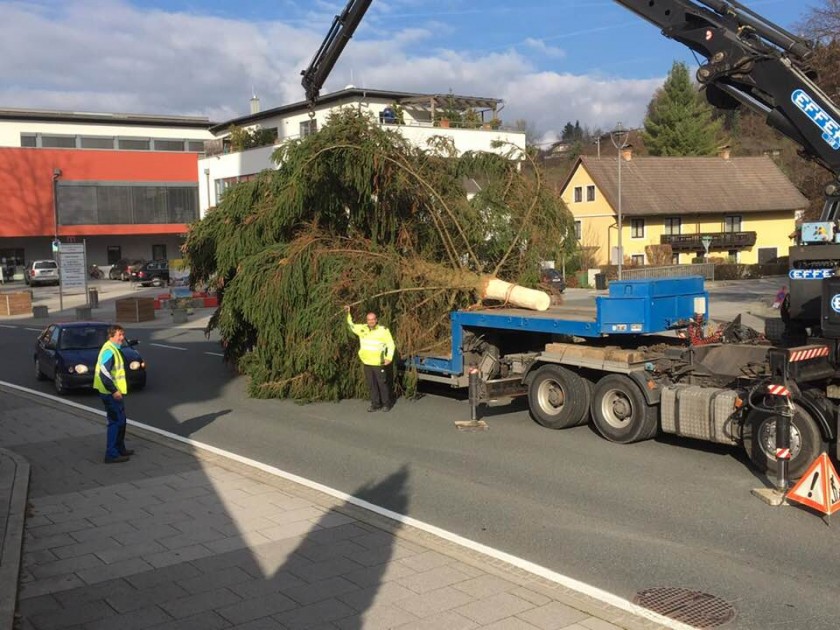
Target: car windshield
83, 337
46, 265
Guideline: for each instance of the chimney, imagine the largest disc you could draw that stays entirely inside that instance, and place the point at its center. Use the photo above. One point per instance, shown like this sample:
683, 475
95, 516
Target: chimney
724, 152
627, 153
255, 103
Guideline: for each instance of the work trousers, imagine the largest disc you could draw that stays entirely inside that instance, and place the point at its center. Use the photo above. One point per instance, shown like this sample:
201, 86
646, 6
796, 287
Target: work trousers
377, 381
115, 409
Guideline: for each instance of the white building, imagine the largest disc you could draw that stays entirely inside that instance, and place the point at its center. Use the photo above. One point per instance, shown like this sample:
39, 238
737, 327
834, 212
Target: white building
419, 118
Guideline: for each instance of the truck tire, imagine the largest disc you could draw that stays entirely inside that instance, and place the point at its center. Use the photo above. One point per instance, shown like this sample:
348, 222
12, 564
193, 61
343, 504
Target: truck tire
558, 398
621, 413
806, 441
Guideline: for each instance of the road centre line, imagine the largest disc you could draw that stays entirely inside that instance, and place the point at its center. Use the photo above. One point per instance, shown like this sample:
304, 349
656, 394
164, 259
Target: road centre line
215, 354
161, 345
7, 326
34, 329
531, 567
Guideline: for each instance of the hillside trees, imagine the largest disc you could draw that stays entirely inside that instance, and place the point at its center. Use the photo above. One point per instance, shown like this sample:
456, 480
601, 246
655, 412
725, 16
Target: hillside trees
356, 215
679, 122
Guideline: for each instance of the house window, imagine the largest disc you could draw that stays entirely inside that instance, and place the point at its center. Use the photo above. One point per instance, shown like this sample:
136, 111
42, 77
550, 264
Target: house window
195, 146
675, 259
673, 226
637, 260
134, 144
578, 194
169, 145
308, 127
96, 142
590, 193
732, 224
58, 142
733, 255
28, 140
637, 228
578, 230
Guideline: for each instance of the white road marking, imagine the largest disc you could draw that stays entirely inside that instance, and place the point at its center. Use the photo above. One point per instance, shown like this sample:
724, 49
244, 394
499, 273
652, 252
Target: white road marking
7, 326
161, 345
34, 329
215, 354
558, 578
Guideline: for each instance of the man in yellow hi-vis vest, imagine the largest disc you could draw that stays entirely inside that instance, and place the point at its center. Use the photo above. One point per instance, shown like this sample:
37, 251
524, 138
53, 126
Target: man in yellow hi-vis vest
376, 350
109, 380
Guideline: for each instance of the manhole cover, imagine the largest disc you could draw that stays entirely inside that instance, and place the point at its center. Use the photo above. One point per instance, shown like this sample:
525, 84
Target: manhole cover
696, 609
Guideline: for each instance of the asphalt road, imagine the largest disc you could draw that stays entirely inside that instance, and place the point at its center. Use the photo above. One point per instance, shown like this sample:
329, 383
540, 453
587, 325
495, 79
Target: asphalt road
622, 518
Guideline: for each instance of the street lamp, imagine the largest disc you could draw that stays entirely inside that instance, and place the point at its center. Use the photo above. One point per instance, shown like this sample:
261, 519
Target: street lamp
56, 175
619, 137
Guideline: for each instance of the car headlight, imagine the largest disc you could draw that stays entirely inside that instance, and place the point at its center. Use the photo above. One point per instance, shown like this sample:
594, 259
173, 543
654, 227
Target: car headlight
135, 365
81, 368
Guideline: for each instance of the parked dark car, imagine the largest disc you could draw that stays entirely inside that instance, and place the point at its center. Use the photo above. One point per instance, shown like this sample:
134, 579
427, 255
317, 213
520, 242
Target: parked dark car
121, 270
42, 272
67, 353
553, 279
155, 273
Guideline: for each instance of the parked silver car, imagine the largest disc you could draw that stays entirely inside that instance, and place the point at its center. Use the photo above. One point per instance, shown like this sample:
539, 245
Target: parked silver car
42, 272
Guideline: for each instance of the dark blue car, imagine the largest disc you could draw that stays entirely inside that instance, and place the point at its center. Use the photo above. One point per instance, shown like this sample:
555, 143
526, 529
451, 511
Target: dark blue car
67, 353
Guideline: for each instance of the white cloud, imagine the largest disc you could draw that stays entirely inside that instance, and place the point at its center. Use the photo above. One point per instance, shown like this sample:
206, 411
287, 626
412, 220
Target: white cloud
539, 46
107, 55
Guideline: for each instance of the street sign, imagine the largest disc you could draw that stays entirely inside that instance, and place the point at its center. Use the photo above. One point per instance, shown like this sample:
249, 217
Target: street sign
707, 242
72, 265
819, 487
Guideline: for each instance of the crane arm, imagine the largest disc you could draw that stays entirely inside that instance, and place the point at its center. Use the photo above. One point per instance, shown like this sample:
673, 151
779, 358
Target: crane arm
754, 63
342, 29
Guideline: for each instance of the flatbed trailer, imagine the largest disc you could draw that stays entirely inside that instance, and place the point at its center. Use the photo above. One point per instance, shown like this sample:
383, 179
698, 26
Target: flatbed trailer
624, 365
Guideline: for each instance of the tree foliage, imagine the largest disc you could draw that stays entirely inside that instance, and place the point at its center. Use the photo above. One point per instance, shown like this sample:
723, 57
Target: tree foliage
355, 214
679, 121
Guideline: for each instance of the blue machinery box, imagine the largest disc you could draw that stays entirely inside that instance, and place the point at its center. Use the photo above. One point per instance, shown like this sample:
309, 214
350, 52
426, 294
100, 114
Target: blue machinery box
650, 306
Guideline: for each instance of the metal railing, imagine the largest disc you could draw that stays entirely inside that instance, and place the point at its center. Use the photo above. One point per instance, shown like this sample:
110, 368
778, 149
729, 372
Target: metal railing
716, 240
707, 270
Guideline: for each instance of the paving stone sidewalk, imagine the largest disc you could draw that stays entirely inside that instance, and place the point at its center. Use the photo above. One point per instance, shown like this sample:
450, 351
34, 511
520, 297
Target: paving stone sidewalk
182, 538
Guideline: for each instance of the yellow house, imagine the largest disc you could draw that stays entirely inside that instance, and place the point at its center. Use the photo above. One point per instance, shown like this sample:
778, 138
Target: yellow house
743, 207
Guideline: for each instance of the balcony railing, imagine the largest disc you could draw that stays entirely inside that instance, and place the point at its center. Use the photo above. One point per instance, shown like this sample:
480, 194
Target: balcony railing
719, 241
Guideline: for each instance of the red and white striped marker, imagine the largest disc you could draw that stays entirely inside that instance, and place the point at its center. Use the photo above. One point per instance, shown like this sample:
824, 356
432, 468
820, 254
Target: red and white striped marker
782, 453
804, 354
778, 390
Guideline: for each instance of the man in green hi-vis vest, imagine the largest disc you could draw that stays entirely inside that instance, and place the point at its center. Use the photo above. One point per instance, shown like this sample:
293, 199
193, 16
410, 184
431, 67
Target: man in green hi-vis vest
376, 350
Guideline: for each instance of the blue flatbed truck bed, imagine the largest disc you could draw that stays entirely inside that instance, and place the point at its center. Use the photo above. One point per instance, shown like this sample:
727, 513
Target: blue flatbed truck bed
632, 307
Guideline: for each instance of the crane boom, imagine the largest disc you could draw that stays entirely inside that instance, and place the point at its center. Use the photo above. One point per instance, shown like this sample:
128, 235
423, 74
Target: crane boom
342, 29
752, 62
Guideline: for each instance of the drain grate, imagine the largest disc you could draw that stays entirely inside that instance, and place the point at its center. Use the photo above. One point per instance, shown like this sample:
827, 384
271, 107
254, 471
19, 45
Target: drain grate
696, 609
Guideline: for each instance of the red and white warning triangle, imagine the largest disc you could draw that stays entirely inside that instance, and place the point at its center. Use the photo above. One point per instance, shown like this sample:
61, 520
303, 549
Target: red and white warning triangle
819, 487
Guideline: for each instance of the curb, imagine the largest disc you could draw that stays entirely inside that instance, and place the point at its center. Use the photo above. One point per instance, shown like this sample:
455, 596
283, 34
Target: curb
14, 492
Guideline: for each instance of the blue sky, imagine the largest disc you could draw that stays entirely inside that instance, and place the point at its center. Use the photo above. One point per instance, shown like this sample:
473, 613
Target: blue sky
551, 61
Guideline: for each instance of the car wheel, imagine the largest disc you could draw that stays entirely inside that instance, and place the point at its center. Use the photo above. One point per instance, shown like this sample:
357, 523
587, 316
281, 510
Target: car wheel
39, 374
123, 276
60, 387
157, 282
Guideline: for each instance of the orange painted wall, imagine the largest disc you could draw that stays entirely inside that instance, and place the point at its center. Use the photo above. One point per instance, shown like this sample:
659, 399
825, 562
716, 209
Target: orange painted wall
26, 185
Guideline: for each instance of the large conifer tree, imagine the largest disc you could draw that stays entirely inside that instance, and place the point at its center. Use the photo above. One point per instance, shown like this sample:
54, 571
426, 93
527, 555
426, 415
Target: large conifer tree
357, 215
679, 121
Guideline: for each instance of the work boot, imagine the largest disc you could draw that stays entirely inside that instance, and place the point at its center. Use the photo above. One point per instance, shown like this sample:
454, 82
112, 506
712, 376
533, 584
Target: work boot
373, 408
128, 451
116, 460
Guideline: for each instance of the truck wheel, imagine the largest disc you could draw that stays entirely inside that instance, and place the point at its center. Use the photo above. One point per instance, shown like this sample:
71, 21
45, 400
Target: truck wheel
558, 398
806, 441
620, 412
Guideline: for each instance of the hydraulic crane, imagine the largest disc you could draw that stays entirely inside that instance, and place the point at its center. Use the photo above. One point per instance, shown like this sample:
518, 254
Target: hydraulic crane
342, 29
754, 63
